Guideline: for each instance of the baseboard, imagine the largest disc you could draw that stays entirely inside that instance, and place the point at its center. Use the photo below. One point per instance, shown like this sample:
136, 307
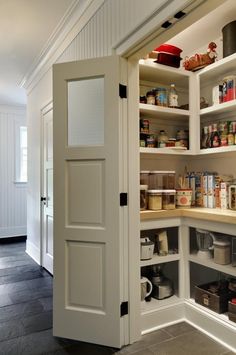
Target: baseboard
33, 251
211, 325
13, 239
10, 232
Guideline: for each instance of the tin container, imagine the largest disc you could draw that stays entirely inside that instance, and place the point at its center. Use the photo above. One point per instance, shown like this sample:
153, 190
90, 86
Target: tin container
183, 198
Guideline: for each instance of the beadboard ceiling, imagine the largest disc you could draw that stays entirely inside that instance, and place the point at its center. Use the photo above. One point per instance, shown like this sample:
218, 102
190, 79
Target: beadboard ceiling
25, 28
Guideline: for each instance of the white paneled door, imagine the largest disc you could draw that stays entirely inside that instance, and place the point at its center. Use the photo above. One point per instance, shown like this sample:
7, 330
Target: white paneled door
90, 225
47, 189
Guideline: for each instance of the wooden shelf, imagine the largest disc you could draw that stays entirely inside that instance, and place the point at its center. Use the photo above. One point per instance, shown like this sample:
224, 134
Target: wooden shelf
226, 269
209, 214
162, 112
156, 259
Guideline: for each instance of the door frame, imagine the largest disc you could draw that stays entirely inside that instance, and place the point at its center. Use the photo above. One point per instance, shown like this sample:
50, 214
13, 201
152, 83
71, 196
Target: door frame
44, 110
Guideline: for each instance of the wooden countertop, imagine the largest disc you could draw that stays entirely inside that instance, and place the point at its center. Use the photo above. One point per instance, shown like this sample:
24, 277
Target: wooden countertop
209, 214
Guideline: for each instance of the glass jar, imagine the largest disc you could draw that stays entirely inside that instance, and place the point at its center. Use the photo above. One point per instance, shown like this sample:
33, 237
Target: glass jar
161, 97
144, 177
155, 200
150, 97
162, 179
143, 197
168, 199
162, 139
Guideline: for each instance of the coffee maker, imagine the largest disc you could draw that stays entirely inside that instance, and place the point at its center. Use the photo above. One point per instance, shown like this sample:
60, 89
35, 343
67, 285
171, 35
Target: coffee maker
162, 286
205, 241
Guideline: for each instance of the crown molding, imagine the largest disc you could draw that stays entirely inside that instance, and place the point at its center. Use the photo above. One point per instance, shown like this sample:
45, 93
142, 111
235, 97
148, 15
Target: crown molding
76, 17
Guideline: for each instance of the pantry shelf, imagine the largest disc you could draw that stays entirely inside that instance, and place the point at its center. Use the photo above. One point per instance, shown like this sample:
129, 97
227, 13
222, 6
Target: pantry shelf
226, 269
162, 112
225, 107
155, 304
166, 150
218, 150
219, 68
159, 260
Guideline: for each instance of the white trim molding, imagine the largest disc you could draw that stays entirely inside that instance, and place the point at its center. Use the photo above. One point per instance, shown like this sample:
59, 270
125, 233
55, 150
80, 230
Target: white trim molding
76, 17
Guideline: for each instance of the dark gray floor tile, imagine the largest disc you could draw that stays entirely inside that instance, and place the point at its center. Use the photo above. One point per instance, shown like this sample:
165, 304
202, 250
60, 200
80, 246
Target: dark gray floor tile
13, 287
47, 303
5, 300
19, 269
179, 328
15, 263
149, 339
194, 343
30, 275
32, 344
38, 283
29, 295
10, 329
37, 322
16, 311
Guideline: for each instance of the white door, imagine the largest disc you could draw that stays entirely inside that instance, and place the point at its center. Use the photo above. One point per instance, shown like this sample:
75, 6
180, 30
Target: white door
47, 189
90, 233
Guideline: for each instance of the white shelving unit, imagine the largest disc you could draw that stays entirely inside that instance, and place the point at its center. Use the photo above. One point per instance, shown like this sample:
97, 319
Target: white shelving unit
159, 260
226, 269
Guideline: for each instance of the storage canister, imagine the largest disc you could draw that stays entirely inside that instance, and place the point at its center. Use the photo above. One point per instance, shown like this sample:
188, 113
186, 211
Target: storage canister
155, 200
159, 179
144, 177
143, 197
168, 199
183, 198
229, 43
222, 253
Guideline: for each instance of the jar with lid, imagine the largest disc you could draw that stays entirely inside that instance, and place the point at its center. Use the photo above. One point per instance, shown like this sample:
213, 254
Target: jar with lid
161, 97
143, 197
168, 199
222, 254
162, 139
144, 177
155, 200
150, 97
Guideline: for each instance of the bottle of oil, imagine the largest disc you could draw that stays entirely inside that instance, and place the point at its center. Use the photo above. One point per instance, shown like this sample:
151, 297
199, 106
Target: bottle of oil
173, 96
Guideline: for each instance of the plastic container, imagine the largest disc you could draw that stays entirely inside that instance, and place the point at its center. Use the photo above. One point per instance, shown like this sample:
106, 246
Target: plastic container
143, 197
162, 179
144, 177
155, 200
222, 253
168, 199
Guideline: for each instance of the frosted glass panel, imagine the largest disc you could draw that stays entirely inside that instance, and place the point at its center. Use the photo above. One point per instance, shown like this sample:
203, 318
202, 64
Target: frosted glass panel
86, 112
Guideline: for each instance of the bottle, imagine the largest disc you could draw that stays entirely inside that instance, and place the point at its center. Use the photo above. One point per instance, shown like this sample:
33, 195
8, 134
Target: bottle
173, 96
215, 136
162, 139
205, 138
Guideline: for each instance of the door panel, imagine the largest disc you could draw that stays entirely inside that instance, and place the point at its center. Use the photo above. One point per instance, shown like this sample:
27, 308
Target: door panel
47, 189
89, 174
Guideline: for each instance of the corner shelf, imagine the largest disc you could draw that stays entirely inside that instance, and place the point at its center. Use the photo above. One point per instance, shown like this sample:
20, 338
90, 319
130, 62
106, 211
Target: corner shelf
162, 112
160, 259
155, 304
226, 269
167, 150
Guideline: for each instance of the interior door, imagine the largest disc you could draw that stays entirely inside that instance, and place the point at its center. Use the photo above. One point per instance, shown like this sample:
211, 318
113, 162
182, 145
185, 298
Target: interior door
90, 233
47, 189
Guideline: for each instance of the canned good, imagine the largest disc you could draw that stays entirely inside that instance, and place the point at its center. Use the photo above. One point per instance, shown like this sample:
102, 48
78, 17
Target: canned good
142, 99
229, 88
151, 141
144, 125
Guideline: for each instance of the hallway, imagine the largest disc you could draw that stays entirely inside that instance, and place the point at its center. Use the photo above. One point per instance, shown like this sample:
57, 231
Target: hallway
26, 318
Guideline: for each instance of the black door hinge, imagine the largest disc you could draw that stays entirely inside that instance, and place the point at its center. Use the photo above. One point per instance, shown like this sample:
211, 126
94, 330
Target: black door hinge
123, 91
123, 199
43, 199
124, 308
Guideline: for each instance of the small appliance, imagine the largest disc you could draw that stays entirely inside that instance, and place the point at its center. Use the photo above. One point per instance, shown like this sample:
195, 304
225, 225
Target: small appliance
162, 286
205, 241
146, 248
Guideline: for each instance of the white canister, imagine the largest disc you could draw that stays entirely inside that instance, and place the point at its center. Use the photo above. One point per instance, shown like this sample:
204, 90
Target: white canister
146, 248
183, 198
222, 252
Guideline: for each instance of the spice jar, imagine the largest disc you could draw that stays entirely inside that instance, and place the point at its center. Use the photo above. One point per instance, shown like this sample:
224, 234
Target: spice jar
168, 199
162, 139
150, 97
222, 252
155, 200
143, 197
161, 97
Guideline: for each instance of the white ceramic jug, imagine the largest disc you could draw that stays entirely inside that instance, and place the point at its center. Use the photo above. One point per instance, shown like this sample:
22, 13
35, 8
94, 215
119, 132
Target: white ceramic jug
145, 284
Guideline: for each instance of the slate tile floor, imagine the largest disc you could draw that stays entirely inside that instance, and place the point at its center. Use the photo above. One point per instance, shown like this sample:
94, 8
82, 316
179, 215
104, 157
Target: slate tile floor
26, 318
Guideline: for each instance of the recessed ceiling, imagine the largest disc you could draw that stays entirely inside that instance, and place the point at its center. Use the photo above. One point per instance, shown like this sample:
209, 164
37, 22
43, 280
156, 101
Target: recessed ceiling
25, 27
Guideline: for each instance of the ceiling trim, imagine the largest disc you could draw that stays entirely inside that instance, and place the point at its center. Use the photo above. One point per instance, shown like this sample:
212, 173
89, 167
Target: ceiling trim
76, 17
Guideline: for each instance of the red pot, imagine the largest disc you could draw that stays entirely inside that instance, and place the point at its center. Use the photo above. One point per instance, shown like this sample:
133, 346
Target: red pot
168, 48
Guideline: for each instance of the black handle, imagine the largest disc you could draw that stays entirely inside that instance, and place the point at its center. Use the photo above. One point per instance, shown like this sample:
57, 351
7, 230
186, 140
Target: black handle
43, 199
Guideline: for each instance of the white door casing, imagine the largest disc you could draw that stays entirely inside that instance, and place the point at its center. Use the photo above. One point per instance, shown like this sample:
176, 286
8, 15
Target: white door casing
47, 189
90, 226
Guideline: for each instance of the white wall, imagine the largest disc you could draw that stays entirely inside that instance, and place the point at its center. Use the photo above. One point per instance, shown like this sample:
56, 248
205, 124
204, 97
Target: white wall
13, 195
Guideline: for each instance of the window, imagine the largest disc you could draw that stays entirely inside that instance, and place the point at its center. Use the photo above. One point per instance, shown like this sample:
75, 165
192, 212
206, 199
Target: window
21, 154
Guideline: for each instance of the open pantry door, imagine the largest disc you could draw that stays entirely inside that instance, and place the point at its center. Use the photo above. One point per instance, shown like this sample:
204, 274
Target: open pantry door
90, 213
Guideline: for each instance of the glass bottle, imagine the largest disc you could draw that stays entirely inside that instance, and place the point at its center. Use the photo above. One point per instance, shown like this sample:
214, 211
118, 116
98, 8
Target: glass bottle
205, 136
173, 96
162, 139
